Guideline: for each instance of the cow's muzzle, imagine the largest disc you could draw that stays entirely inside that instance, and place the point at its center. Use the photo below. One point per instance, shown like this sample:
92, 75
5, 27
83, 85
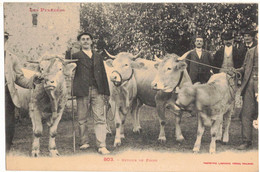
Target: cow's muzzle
116, 78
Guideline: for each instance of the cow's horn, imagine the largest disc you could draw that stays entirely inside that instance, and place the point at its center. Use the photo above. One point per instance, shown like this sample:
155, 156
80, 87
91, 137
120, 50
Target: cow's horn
111, 56
136, 56
33, 61
184, 55
71, 61
157, 59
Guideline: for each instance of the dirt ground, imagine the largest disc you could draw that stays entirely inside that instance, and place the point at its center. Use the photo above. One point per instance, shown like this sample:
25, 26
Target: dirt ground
146, 141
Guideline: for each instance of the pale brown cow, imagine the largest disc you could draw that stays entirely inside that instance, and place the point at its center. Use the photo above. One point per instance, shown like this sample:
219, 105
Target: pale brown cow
123, 90
213, 101
47, 99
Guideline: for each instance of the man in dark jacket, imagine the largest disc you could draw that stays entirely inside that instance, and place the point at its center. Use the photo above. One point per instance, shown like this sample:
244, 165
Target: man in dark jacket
198, 72
90, 86
249, 91
249, 42
227, 56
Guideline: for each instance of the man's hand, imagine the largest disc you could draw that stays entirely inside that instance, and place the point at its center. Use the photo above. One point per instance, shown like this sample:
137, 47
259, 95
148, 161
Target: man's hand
231, 71
255, 124
37, 79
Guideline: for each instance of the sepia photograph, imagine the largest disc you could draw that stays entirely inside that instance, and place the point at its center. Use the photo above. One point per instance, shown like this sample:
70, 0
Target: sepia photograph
130, 86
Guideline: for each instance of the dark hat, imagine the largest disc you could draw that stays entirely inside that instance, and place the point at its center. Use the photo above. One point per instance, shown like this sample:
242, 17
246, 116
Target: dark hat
227, 35
7, 34
250, 32
199, 36
84, 33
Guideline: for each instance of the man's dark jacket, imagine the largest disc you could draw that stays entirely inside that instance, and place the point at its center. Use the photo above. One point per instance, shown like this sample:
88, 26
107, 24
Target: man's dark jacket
81, 79
243, 48
197, 72
219, 58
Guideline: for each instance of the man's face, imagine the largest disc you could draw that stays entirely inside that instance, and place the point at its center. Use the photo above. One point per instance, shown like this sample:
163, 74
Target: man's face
85, 42
199, 42
248, 38
228, 43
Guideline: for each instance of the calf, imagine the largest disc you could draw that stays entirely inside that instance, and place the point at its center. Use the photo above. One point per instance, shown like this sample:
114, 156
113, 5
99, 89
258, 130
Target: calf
213, 101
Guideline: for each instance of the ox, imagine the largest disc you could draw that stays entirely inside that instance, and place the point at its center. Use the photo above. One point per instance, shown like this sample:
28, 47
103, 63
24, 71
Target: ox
47, 99
123, 89
152, 90
213, 101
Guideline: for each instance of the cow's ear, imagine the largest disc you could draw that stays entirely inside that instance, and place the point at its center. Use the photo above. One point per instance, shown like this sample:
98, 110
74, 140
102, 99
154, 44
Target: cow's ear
109, 62
69, 68
156, 65
181, 66
137, 65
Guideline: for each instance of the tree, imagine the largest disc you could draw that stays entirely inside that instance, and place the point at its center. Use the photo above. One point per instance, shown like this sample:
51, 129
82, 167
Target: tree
160, 28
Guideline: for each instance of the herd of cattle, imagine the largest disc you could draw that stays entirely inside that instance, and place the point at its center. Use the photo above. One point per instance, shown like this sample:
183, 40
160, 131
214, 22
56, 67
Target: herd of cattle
163, 83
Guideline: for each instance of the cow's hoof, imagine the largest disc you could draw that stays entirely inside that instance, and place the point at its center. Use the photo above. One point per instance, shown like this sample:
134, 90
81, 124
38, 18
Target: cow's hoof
122, 136
54, 153
117, 142
137, 130
180, 139
162, 140
35, 153
212, 151
196, 150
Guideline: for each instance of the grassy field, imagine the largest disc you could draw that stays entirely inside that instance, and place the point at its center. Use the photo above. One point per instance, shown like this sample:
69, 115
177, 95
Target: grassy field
147, 140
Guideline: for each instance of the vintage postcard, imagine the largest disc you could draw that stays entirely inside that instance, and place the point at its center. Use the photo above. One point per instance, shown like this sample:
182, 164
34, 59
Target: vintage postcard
92, 86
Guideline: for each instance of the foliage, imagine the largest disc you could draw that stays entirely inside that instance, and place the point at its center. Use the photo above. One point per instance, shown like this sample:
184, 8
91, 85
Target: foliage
160, 28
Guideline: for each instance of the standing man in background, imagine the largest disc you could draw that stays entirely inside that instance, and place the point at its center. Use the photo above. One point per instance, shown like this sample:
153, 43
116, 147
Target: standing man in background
90, 86
197, 72
227, 56
249, 42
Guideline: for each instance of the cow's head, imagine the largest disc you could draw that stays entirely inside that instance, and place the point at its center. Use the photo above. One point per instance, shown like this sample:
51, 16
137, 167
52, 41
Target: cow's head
169, 73
53, 70
122, 65
186, 96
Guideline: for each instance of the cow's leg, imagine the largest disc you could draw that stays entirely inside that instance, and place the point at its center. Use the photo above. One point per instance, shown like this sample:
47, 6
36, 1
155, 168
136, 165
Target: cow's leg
161, 114
200, 132
213, 131
122, 131
178, 133
135, 113
219, 133
118, 123
227, 122
35, 115
53, 132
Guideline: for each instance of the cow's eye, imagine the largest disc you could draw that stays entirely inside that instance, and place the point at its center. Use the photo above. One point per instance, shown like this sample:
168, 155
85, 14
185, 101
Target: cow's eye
41, 69
60, 69
169, 68
126, 64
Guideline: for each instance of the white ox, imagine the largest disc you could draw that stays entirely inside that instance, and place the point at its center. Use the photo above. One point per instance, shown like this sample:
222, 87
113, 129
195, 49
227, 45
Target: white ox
123, 90
47, 99
152, 90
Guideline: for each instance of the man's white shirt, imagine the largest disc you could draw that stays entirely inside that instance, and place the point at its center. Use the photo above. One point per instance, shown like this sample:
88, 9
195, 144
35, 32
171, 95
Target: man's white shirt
199, 52
228, 50
88, 52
